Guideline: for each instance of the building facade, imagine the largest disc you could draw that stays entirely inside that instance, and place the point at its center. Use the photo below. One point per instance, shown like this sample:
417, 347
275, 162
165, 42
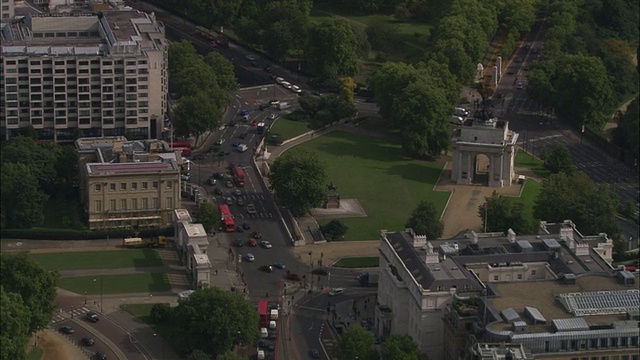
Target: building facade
93, 74
8, 10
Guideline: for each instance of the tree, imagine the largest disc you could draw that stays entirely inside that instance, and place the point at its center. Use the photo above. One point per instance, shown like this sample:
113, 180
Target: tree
22, 203
382, 35
224, 71
195, 115
201, 355
230, 355
208, 215
36, 287
425, 220
160, 313
400, 347
14, 327
180, 54
213, 321
626, 135
356, 343
559, 160
500, 213
334, 230
331, 50
40, 159
299, 179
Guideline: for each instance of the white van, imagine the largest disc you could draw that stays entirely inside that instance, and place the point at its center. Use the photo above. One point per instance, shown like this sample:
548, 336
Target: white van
242, 148
461, 112
279, 80
272, 325
286, 84
264, 333
456, 120
274, 314
260, 354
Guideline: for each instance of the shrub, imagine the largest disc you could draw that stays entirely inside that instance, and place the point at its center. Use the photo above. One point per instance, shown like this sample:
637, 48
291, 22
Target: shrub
160, 313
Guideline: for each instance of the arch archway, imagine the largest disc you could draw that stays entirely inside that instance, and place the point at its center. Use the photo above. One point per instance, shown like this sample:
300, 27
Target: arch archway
481, 169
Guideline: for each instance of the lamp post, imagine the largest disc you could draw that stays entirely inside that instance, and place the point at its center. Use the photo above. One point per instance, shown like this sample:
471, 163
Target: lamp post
311, 271
94, 280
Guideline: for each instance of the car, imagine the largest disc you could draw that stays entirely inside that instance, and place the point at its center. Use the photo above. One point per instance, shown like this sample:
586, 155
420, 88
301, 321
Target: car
237, 243
199, 157
264, 106
228, 201
296, 89
240, 202
519, 85
256, 234
218, 176
251, 58
279, 80
92, 316
265, 244
294, 276
266, 268
320, 271
252, 242
246, 225
211, 181
100, 355
273, 116
279, 265
217, 191
66, 329
239, 229
87, 341
336, 291
254, 123
228, 183
220, 141
527, 46
235, 143
237, 192
286, 84
316, 93
249, 257
251, 209
315, 353
274, 102
271, 346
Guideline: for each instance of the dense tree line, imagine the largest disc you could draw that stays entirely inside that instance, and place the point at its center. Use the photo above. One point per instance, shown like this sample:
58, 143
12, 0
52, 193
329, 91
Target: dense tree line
31, 173
204, 86
27, 301
358, 343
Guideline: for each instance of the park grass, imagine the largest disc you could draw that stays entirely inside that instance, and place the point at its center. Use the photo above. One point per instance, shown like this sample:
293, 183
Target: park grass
143, 313
386, 182
285, 129
114, 259
357, 262
526, 160
36, 354
116, 284
528, 197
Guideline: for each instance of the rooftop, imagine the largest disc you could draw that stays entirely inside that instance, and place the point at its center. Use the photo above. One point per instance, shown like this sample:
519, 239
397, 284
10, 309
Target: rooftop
131, 168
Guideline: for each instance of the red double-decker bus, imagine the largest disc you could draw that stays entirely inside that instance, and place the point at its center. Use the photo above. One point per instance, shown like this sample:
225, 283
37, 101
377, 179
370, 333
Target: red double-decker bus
239, 176
263, 311
183, 146
228, 223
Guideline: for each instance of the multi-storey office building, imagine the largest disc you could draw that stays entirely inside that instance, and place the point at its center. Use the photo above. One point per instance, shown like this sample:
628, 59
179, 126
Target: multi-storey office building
8, 9
97, 74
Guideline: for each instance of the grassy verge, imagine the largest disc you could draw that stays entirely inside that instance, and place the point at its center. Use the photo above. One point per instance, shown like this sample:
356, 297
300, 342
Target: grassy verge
285, 129
357, 262
99, 259
536, 165
528, 197
116, 284
36, 354
387, 184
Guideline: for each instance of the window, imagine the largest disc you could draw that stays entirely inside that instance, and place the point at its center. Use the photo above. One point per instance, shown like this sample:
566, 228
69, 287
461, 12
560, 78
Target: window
563, 344
123, 186
98, 187
112, 187
623, 341
519, 276
123, 204
112, 205
169, 184
614, 342
534, 272
603, 342
144, 187
155, 185
134, 204
134, 186
145, 204
593, 344
156, 203
496, 277
98, 206
169, 203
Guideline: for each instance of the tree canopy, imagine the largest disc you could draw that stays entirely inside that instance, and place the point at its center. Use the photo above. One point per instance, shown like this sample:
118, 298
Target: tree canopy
356, 343
299, 180
400, 347
331, 49
334, 230
214, 321
501, 213
559, 160
208, 215
35, 286
14, 327
425, 220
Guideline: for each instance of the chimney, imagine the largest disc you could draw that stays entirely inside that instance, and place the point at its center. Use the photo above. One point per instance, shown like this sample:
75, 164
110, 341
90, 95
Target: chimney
432, 256
566, 234
474, 237
511, 235
419, 240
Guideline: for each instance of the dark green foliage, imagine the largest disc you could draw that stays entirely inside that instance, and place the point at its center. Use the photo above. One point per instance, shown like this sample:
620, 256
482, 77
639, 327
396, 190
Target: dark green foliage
36, 287
334, 230
559, 160
208, 215
627, 133
299, 180
331, 49
199, 355
230, 355
22, 200
14, 327
400, 347
160, 313
356, 343
425, 220
502, 214
214, 321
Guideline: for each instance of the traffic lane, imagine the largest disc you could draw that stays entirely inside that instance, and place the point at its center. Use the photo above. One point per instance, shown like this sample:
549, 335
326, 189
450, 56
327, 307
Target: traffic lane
305, 331
121, 339
79, 334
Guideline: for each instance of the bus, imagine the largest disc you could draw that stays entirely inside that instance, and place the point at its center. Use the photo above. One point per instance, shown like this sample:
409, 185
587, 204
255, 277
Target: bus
183, 146
263, 308
228, 223
238, 176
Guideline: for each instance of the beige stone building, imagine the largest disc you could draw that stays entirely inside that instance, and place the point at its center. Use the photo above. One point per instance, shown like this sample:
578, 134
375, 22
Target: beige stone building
100, 73
8, 11
128, 184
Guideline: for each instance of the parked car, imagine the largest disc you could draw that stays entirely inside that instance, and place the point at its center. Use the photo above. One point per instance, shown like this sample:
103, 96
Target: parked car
228, 183
251, 58
296, 89
92, 316
220, 141
100, 355
237, 243
286, 84
66, 329
265, 244
217, 191
240, 202
87, 341
279, 265
252, 242
336, 292
519, 85
266, 268
246, 225
315, 353
249, 257
256, 234
211, 181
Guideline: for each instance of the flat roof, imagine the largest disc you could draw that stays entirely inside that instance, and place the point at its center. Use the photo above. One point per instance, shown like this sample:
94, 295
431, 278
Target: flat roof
131, 168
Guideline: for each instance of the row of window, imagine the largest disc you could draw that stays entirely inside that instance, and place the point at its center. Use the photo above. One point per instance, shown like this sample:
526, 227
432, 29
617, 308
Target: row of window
68, 71
144, 185
598, 343
72, 62
73, 79
133, 204
608, 357
81, 121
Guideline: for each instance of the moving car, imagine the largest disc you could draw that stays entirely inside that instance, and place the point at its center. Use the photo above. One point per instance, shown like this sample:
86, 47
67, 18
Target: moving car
251, 209
279, 265
249, 257
336, 292
211, 181
273, 116
251, 58
320, 271
519, 85
315, 353
293, 276
286, 84
66, 329
252, 242
87, 341
296, 89
279, 80
256, 234
266, 268
220, 141
92, 316
101, 356
265, 244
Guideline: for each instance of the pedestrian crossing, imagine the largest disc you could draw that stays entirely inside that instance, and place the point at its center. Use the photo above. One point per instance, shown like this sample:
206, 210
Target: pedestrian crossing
62, 316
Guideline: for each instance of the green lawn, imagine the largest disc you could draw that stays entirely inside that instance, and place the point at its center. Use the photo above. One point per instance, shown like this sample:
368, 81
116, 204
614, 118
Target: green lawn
99, 259
387, 183
286, 129
536, 165
142, 312
117, 284
357, 262
529, 194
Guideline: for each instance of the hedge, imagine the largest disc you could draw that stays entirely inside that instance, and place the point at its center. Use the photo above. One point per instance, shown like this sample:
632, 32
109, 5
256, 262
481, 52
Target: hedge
70, 234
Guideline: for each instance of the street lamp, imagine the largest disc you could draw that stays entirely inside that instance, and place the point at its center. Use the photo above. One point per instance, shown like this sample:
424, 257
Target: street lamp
310, 271
94, 280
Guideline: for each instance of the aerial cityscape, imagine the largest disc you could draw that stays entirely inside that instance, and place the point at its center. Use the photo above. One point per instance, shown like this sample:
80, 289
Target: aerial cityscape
319, 179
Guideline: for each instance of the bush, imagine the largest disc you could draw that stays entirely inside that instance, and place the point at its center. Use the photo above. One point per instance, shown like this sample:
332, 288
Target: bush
160, 313
334, 230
